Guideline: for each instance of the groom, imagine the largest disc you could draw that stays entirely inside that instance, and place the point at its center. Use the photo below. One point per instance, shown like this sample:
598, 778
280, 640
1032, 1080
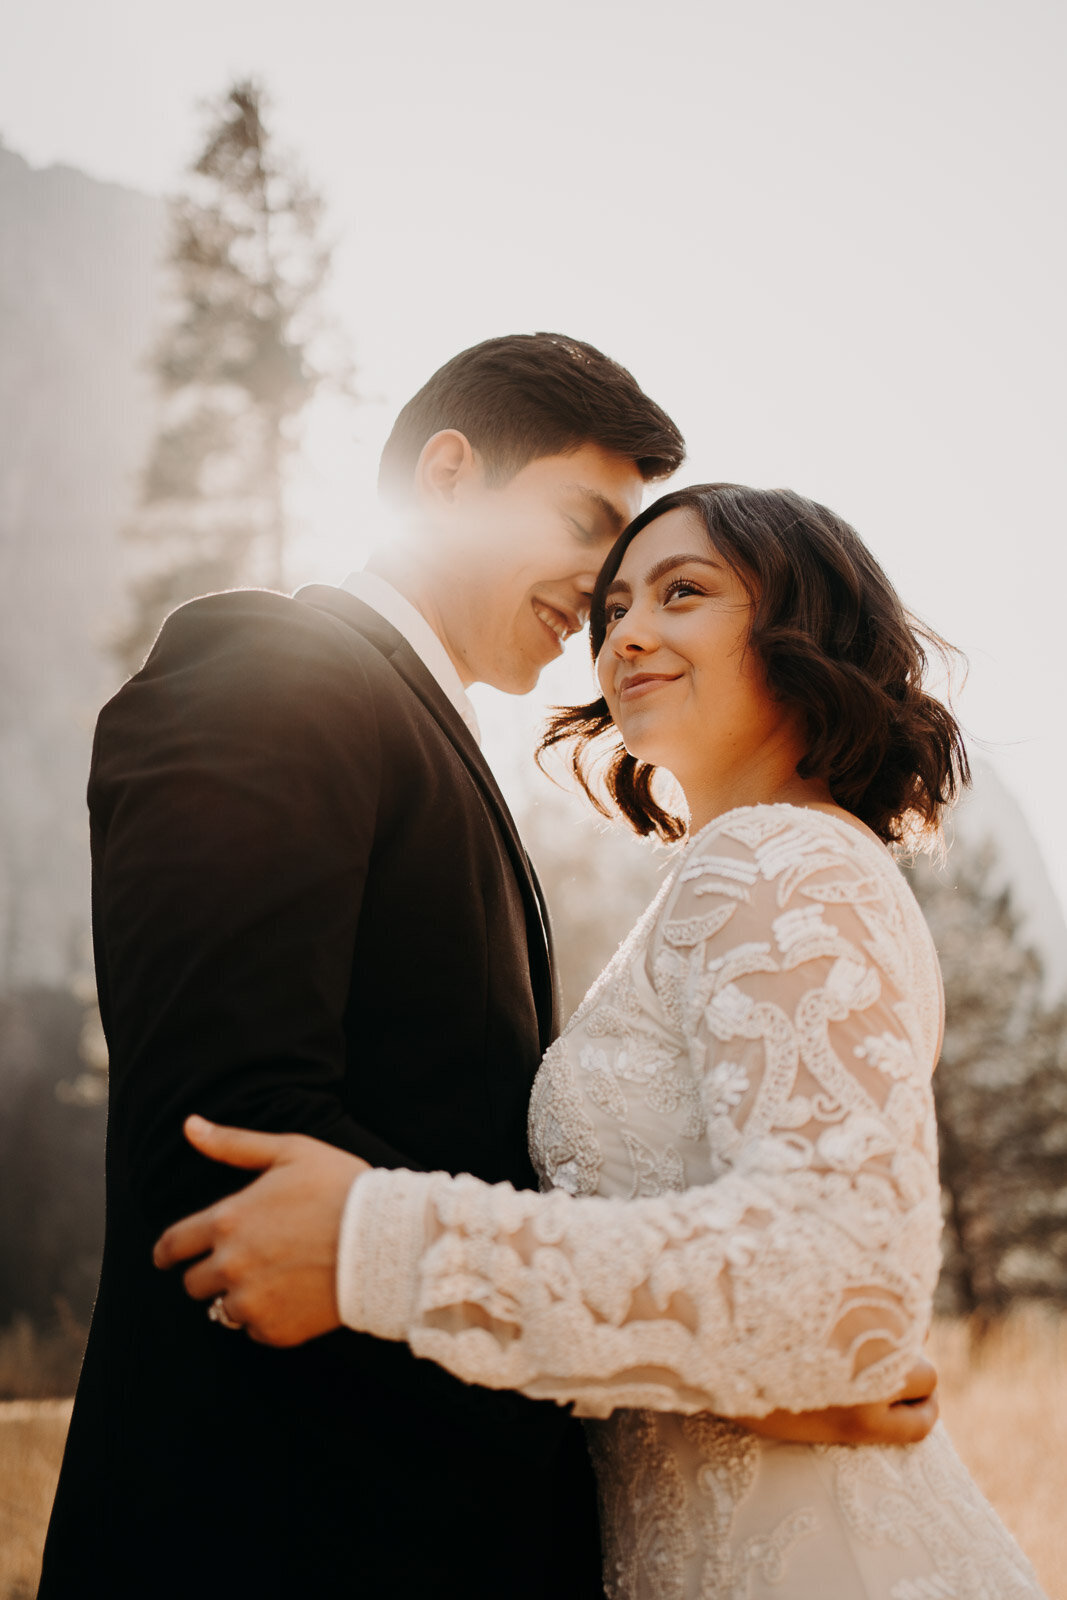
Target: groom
313, 914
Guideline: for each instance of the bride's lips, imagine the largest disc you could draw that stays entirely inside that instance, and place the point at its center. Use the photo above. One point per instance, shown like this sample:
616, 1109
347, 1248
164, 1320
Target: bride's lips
642, 683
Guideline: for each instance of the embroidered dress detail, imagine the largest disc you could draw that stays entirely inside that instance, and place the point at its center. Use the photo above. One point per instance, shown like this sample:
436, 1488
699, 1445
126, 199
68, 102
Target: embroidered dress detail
736, 1135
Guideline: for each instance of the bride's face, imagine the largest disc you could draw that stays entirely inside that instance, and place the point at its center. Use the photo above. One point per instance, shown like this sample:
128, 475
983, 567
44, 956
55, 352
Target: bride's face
683, 688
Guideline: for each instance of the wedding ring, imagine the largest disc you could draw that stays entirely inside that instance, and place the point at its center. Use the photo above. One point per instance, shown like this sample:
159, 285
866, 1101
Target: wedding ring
216, 1312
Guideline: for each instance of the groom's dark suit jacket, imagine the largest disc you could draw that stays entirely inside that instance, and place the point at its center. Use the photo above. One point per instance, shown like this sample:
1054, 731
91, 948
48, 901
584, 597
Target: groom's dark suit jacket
312, 913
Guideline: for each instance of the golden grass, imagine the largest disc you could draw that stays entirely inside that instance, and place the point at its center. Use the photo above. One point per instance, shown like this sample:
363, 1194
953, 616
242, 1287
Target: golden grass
31, 1445
38, 1363
1004, 1401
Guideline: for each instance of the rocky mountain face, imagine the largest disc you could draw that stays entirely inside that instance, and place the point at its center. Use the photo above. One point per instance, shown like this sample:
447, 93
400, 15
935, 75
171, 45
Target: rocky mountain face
79, 299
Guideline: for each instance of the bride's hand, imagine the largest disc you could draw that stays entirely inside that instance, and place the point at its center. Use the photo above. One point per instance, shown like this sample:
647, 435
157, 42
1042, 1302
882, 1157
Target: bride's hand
269, 1252
905, 1418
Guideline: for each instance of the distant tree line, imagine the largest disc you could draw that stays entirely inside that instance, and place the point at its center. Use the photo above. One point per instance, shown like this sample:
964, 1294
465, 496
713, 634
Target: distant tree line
52, 1127
1001, 1092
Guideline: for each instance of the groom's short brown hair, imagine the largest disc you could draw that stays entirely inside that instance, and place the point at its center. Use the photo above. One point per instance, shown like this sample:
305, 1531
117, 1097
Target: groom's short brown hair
529, 395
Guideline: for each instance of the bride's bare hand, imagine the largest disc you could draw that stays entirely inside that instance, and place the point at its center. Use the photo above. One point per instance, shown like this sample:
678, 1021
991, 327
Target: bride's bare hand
269, 1252
906, 1418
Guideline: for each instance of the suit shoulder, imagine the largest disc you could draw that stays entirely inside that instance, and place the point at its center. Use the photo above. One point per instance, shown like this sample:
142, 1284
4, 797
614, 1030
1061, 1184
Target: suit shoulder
255, 639
253, 621
252, 654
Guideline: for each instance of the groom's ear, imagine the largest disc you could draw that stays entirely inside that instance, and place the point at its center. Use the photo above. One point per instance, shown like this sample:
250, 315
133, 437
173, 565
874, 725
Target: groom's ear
446, 464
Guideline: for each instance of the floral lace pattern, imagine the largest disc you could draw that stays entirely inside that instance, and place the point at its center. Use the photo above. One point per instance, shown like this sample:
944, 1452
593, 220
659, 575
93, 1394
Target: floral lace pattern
736, 1131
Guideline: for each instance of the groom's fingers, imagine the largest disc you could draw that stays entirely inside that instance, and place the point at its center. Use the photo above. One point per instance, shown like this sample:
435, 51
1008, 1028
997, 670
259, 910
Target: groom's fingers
237, 1147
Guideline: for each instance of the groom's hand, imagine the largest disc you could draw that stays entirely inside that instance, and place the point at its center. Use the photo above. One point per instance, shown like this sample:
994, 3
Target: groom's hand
269, 1252
906, 1418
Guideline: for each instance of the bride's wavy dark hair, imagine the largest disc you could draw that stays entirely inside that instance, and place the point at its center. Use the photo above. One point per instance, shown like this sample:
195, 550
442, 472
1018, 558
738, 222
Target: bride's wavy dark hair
836, 644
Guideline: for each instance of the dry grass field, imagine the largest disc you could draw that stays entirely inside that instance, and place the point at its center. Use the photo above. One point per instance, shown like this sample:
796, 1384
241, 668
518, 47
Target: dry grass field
1005, 1404
31, 1444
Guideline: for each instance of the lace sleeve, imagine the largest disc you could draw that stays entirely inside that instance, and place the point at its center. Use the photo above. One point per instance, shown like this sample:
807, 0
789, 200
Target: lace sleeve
796, 981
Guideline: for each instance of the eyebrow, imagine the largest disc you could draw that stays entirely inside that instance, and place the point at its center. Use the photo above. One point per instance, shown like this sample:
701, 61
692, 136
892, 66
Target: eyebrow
601, 504
660, 570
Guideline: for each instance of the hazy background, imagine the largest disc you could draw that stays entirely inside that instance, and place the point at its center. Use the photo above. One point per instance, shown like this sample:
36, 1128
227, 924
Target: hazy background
828, 236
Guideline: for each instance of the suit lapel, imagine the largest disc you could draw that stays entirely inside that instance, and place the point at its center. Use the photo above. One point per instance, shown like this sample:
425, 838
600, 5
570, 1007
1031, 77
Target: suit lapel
366, 621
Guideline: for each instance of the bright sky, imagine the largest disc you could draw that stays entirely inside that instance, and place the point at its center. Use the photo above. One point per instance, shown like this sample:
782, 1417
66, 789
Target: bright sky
828, 236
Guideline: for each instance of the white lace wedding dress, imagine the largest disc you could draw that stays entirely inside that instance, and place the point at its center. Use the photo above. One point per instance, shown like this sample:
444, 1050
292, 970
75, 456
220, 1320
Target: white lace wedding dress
738, 1129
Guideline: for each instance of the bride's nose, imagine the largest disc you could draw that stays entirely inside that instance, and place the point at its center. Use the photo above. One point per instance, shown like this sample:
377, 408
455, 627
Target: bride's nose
633, 634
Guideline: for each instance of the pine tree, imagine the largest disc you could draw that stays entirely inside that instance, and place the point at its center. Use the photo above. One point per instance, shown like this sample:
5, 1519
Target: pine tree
1001, 1092
244, 352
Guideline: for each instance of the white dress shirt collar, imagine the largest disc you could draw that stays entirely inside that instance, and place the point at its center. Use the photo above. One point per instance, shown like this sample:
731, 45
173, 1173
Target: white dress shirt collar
391, 605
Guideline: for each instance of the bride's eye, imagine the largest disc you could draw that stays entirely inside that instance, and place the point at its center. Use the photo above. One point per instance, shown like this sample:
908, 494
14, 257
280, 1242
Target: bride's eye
682, 586
613, 611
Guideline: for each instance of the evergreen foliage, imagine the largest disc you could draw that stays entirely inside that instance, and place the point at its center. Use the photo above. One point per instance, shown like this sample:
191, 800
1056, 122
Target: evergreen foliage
1001, 1092
245, 350
52, 1124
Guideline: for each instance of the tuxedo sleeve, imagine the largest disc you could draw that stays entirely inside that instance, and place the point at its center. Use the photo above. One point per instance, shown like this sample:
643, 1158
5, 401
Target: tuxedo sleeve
234, 796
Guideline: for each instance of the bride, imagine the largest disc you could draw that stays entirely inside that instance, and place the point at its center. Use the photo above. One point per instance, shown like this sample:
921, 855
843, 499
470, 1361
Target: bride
735, 1130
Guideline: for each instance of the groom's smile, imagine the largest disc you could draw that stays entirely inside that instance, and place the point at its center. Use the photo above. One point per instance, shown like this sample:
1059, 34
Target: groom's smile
561, 624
